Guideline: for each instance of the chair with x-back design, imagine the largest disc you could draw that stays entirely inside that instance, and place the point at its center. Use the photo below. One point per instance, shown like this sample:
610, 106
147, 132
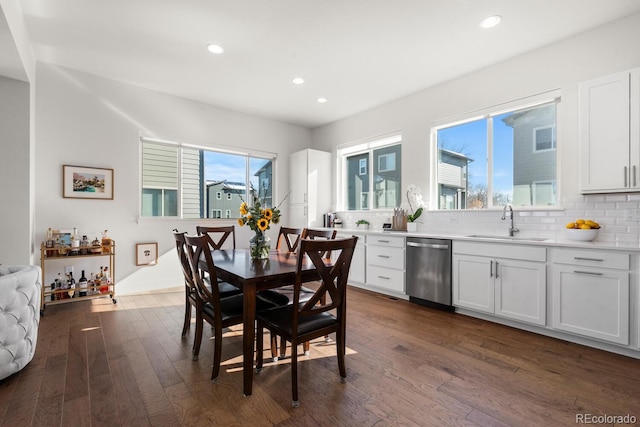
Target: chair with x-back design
324, 313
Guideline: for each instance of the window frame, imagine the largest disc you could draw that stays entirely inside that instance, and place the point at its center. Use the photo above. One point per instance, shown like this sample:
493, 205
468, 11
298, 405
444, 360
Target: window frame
181, 146
368, 146
538, 100
554, 142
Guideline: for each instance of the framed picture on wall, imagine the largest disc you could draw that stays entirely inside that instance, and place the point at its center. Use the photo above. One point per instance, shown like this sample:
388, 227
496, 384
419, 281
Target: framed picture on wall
146, 253
80, 182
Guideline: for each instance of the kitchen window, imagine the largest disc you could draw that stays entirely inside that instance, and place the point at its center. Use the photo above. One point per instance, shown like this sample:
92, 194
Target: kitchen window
506, 154
366, 189
185, 181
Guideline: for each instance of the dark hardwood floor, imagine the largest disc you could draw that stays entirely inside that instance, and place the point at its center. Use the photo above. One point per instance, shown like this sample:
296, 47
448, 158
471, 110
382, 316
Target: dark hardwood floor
102, 364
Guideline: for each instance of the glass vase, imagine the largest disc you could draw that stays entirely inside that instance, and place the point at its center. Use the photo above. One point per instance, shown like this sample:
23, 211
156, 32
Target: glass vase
259, 246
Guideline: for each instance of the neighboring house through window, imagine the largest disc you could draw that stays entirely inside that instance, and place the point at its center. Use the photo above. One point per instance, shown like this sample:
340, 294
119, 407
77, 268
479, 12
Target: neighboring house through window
503, 155
189, 182
364, 189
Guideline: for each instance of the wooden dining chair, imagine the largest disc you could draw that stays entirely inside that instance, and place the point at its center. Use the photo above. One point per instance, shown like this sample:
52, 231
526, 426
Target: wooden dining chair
300, 322
192, 298
218, 312
216, 238
290, 237
191, 293
288, 240
313, 234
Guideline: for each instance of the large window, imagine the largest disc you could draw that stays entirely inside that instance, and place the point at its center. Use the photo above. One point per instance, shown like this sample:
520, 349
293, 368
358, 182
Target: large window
371, 174
498, 158
189, 182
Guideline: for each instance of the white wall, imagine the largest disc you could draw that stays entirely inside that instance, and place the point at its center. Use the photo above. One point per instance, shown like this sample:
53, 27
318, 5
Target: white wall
86, 120
562, 65
17, 144
15, 159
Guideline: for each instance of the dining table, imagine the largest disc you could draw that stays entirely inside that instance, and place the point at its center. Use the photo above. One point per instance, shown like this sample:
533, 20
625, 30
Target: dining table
236, 267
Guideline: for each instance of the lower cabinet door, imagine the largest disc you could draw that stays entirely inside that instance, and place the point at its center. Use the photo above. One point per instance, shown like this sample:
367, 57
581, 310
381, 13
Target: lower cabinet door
591, 302
521, 291
473, 282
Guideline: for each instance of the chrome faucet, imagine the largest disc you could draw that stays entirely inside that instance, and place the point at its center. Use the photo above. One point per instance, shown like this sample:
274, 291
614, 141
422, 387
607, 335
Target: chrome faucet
512, 228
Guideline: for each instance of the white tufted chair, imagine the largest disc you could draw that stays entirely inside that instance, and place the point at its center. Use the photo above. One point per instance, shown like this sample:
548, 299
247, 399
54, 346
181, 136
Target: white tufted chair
20, 291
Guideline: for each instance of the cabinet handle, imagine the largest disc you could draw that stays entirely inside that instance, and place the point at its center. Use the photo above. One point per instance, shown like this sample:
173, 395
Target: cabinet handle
587, 272
633, 175
384, 277
587, 259
384, 256
383, 241
491, 268
496, 269
625, 176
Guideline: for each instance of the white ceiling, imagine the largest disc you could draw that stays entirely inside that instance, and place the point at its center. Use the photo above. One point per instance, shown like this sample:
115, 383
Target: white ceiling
357, 53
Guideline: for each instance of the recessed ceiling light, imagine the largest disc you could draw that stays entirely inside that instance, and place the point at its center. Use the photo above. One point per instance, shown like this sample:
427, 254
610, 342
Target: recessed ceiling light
491, 21
214, 48
322, 100
298, 80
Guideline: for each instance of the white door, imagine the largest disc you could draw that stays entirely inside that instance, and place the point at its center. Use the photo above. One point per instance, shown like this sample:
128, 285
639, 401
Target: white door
604, 133
634, 148
473, 283
591, 302
298, 177
521, 291
297, 216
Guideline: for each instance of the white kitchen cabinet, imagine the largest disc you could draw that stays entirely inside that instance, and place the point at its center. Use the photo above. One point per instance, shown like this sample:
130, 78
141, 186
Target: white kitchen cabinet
504, 280
609, 133
385, 257
357, 270
591, 294
310, 181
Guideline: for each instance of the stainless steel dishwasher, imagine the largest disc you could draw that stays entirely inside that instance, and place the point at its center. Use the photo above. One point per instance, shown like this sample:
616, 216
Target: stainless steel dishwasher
429, 272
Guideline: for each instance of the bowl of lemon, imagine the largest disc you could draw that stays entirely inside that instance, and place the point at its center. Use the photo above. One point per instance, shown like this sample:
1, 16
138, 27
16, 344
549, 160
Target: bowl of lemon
582, 230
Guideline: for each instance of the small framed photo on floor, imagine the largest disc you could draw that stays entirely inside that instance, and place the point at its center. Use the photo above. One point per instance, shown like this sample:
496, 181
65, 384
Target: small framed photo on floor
80, 182
146, 253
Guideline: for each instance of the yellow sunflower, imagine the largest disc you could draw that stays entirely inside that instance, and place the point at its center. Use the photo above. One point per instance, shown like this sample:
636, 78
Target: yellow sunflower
241, 221
244, 208
263, 224
268, 214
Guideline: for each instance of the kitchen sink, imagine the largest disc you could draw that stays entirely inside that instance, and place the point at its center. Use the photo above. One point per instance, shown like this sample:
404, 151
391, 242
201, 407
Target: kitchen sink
493, 236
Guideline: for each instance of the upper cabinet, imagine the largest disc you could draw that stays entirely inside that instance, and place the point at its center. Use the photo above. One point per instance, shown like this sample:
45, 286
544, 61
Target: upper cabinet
609, 133
310, 183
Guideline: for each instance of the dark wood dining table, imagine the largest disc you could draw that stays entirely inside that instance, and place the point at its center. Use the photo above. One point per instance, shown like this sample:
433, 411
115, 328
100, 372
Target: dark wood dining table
236, 267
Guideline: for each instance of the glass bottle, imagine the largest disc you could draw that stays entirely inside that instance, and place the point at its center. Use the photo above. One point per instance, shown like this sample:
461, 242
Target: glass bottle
54, 284
104, 288
106, 242
71, 285
75, 242
60, 285
82, 284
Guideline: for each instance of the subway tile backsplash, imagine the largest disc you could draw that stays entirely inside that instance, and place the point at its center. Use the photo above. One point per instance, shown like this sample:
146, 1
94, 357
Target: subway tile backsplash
609, 210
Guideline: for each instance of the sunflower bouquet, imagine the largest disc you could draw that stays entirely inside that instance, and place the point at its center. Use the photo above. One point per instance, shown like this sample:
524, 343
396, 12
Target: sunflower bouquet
259, 220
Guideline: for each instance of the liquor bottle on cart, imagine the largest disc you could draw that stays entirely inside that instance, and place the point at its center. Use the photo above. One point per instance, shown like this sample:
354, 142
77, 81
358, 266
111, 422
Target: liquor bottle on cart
71, 285
82, 284
106, 242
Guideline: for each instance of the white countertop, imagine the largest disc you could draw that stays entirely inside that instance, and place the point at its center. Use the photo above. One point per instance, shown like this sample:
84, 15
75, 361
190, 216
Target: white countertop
519, 240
